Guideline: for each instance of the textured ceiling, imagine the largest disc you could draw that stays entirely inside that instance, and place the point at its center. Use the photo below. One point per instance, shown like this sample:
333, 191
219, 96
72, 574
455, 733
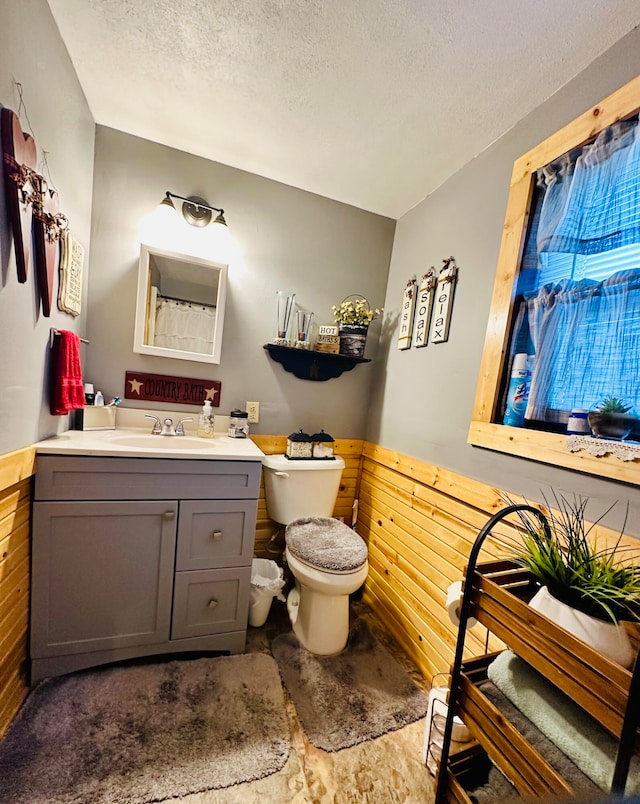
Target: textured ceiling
370, 102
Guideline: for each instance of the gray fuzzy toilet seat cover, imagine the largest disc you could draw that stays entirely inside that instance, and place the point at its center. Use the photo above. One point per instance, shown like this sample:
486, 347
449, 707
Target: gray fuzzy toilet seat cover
326, 543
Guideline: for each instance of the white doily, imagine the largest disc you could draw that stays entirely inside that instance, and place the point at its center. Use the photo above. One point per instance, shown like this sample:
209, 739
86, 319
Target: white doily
624, 450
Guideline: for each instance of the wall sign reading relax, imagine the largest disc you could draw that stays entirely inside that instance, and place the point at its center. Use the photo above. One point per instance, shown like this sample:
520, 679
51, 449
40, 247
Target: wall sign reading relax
443, 302
161, 388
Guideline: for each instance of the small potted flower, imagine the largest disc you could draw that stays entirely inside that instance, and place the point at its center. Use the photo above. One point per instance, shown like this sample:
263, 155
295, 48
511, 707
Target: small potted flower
611, 418
353, 317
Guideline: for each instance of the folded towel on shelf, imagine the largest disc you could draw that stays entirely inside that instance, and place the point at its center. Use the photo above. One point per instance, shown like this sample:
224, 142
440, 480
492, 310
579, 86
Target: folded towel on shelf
567, 725
66, 389
558, 760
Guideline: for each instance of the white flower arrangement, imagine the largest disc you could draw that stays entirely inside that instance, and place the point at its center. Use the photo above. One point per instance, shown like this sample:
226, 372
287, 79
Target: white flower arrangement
355, 313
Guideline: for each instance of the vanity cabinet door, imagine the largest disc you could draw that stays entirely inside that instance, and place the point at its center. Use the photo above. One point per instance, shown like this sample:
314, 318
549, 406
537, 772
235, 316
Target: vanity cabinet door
210, 602
215, 533
102, 575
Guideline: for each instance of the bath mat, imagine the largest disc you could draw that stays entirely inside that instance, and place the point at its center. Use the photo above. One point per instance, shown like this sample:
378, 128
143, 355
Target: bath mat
146, 733
351, 698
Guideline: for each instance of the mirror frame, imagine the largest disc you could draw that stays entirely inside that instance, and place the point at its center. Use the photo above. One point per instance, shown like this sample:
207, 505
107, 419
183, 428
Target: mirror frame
144, 280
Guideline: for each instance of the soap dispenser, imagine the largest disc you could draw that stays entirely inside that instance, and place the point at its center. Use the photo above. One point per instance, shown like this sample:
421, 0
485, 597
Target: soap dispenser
205, 421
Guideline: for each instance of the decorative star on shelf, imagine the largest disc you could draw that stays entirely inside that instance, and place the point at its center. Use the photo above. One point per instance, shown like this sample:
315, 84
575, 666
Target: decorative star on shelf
136, 385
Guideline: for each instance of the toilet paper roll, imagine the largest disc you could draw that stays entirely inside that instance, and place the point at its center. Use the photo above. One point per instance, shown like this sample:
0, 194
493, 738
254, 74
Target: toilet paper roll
453, 604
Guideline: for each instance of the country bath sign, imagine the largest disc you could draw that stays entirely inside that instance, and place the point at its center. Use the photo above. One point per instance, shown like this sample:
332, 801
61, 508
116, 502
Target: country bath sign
160, 388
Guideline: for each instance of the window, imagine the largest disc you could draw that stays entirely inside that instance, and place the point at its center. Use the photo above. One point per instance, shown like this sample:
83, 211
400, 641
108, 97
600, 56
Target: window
567, 290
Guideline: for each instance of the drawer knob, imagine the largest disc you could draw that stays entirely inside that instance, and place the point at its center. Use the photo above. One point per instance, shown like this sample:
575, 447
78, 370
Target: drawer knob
217, 535
212, 603
169, 515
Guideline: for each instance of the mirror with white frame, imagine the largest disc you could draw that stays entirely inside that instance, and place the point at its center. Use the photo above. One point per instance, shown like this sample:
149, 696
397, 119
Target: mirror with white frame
180, 306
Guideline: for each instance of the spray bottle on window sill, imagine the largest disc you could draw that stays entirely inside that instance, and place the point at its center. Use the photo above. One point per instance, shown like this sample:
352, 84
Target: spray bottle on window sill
518, 392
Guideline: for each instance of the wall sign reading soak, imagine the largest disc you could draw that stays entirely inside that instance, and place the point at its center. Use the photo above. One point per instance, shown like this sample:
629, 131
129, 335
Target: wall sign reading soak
160, 388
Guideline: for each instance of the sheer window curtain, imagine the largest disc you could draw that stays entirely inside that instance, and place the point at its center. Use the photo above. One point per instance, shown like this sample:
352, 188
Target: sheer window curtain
584, 334
183, 326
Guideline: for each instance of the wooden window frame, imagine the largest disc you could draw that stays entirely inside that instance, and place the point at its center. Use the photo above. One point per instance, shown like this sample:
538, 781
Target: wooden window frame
538, 445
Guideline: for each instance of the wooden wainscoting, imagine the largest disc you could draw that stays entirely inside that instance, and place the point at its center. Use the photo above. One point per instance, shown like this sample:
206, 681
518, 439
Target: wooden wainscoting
420, 522
16, 471
269, 535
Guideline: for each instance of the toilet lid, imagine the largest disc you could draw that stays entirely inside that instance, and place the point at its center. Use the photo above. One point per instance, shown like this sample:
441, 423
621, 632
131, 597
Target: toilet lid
326, 543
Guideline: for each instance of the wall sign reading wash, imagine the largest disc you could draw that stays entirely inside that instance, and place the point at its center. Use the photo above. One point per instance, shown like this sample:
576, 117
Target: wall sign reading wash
406, 314
161, 388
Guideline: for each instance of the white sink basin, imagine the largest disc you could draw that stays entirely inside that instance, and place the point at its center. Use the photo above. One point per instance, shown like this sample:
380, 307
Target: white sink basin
137, 443
162, 442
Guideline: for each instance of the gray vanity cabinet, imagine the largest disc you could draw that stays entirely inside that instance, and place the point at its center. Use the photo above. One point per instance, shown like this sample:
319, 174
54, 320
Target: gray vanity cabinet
134, 557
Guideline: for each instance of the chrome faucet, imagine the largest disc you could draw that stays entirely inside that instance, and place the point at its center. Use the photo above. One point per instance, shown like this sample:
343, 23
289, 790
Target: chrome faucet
157, 426
180, 426
167, 428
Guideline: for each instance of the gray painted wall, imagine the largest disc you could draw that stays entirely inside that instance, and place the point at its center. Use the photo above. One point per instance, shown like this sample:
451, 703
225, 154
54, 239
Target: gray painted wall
33, 54
289, 240
423, 407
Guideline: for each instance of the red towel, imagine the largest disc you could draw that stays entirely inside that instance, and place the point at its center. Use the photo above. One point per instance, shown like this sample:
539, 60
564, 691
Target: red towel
66, 390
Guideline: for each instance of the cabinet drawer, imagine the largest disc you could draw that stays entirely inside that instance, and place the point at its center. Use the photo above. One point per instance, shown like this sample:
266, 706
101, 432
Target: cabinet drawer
215, 533
87, 478
210, 602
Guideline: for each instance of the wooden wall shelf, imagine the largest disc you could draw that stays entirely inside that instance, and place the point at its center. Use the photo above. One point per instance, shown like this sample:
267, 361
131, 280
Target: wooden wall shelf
308, 365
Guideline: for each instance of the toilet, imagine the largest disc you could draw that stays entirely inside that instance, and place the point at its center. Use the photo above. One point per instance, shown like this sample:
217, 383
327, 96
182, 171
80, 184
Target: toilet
327, 558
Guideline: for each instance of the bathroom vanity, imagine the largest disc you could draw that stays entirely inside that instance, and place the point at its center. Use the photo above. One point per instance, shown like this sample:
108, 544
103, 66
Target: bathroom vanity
140, 547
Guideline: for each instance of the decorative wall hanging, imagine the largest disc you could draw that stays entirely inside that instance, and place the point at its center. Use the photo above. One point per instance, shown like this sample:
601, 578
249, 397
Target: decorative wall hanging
160, 388
424, 306
443, 303
71, 266
48, 225
19, 163
406, 314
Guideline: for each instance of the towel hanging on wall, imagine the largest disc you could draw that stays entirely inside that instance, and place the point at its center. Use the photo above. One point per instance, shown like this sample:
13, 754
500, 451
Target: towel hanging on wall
66, 390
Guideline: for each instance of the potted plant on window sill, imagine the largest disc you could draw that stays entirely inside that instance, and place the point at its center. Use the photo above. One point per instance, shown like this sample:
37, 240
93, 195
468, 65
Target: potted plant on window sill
611, 418
587, 590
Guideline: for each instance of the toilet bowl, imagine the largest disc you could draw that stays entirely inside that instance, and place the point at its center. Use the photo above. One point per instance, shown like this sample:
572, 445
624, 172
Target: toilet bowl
327, 558
329, 562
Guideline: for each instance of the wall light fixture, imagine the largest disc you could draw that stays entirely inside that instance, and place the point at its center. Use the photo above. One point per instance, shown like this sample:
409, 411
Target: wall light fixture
195, 210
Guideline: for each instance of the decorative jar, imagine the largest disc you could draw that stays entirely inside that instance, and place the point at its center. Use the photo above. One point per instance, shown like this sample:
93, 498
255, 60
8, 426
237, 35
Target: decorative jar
238, 424
299, 445
323, 445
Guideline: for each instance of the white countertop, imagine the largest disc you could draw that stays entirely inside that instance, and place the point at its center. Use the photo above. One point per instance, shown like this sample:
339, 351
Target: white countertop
138, 443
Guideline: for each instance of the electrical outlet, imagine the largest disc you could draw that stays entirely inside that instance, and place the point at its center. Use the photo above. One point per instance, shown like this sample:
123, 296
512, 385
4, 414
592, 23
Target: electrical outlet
253, 409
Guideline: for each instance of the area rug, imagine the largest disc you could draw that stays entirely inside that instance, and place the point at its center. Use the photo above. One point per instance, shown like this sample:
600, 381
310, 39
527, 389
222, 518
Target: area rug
145, 733
347, 699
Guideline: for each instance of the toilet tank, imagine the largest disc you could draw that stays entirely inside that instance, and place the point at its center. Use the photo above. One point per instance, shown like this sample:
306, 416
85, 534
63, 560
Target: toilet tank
301, 488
